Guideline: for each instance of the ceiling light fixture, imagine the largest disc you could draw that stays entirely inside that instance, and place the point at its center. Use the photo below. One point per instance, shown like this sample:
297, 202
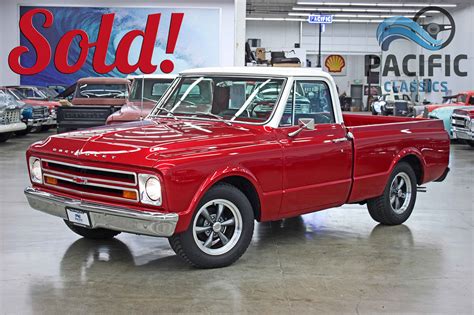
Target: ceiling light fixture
379, 4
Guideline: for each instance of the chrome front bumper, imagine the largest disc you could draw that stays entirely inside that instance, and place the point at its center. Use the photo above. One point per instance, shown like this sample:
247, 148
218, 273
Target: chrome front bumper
12, 127
103, 216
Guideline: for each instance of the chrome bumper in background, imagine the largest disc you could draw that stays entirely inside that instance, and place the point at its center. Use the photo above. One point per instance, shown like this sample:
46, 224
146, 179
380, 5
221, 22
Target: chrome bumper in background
12, 127
103, 216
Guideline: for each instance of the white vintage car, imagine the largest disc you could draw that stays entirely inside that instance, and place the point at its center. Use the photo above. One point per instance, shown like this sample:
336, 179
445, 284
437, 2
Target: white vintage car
10, 117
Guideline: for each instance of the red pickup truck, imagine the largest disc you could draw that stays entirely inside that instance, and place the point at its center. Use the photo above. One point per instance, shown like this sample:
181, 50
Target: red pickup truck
225, 147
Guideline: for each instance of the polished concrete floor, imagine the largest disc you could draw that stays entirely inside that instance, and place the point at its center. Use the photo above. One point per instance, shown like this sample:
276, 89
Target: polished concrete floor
335, 261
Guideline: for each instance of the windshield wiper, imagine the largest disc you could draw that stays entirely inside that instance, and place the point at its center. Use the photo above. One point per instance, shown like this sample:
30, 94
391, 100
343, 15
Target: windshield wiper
249, 100
170, 113
215, 116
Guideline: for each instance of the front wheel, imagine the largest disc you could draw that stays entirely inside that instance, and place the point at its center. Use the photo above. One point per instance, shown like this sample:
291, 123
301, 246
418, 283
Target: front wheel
94, 234
396, 203
221, 229
5, 136
471, 143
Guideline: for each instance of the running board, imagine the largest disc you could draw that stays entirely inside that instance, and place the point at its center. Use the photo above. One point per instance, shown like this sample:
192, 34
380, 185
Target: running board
421, 189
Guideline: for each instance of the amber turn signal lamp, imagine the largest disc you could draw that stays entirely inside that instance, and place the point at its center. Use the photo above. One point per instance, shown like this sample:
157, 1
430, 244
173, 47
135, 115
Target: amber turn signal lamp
129, 194
51, 180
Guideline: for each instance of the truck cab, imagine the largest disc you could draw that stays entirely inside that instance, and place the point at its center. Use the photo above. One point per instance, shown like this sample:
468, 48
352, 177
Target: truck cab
93, 101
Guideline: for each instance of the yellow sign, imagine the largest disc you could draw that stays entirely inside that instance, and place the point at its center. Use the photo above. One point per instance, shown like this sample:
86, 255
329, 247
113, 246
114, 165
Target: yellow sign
335, 63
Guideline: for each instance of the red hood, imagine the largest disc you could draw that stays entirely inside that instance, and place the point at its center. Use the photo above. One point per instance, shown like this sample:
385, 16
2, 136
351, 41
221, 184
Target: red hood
49, 104
465, 112
143, 143
131, 111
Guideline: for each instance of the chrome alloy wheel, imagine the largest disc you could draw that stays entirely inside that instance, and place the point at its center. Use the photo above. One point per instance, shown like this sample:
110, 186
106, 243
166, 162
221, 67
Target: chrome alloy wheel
400, 193
217, 227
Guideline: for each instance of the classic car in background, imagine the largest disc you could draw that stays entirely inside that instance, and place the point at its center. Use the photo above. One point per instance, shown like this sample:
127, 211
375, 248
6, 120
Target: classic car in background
38, 96
461, 99
93, 101
393, 104
10, 116
33, 116
145, 91
445, 113
462, 122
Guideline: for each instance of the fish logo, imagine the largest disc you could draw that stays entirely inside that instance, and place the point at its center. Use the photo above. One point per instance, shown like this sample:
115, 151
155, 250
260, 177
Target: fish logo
425, 35
335, 63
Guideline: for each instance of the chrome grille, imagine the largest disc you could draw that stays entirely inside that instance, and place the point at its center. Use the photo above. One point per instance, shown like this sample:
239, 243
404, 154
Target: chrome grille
459, 121
39, 112
10, 116
90, 181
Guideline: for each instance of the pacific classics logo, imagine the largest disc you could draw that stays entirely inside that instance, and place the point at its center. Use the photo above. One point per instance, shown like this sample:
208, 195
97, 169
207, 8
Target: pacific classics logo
425, 35
412, 65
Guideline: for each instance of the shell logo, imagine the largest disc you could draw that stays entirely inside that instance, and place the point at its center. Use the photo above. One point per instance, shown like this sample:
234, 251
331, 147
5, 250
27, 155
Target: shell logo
335, 63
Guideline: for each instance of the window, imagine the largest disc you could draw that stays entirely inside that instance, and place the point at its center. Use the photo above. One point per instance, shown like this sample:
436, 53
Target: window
98, 90
234, 98
153, 88
308, 99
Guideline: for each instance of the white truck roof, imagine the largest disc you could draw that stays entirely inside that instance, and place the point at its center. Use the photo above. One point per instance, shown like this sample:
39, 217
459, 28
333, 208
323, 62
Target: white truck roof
262, 71
152, 76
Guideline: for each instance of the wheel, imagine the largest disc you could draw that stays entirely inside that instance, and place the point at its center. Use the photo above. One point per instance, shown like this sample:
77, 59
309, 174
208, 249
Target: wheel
221, 229
471, 143
23, 132
396, 203
5, 136
95, 234
45, 128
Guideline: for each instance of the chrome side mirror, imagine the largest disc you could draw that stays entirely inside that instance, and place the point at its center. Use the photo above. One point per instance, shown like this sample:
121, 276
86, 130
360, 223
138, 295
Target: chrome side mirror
303, 123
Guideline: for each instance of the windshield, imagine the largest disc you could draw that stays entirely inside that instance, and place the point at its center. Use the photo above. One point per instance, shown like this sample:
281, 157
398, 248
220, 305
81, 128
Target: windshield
232, 98
16, 94
153, 89
101, 91
461, 98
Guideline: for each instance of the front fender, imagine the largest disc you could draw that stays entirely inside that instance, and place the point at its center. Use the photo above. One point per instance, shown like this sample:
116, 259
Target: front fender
185, 217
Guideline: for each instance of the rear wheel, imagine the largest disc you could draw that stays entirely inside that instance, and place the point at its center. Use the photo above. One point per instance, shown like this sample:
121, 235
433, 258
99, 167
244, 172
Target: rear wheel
396, 203
221, 229
95, 234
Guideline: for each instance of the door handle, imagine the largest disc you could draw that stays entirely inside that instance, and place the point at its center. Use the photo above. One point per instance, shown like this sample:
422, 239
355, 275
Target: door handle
348, 137
339, 140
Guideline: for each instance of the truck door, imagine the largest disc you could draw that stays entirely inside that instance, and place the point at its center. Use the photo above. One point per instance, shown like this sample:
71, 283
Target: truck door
317, 163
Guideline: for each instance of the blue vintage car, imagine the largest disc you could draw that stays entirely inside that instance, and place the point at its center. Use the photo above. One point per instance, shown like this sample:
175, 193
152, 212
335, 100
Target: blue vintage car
444, 113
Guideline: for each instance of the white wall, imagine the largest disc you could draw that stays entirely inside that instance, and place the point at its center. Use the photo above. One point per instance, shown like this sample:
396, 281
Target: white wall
230, 41
354, 40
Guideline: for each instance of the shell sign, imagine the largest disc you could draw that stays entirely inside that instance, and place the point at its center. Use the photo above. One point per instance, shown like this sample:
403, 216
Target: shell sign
335, 64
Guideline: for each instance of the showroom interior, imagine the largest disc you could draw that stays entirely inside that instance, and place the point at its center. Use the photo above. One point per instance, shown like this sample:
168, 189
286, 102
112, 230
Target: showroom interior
236, 156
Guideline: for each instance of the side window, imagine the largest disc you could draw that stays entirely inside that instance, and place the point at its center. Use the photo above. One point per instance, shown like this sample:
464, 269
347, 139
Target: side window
309, 99
471, 100
406, 97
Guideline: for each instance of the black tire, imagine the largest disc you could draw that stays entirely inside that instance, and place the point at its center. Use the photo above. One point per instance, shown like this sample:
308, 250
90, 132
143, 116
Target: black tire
5, 136
94, 234
185, 244
381, 208
471, 143
23, 132
45, 128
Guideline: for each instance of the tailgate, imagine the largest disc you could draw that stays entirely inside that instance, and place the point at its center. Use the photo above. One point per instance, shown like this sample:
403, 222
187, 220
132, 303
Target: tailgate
76, 117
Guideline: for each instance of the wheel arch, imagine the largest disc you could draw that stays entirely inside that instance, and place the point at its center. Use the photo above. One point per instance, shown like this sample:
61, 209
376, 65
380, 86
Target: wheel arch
415, 159
239, 177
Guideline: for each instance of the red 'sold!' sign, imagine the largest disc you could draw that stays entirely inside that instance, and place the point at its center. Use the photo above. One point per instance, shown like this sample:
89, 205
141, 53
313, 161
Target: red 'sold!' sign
61, 54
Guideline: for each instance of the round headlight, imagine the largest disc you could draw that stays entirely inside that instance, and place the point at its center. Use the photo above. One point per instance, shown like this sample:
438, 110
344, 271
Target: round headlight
153, 189
36, 173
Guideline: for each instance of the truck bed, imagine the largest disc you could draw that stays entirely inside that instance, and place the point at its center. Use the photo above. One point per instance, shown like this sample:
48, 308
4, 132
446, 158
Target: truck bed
379, 143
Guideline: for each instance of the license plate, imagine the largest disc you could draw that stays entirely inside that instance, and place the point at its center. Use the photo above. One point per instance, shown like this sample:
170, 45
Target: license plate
78, 217
462, 135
